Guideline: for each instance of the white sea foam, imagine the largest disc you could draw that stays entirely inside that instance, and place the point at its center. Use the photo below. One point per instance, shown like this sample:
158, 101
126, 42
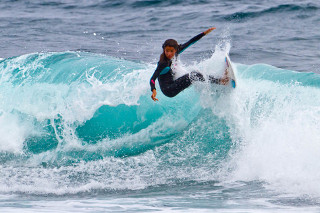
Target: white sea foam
278, 126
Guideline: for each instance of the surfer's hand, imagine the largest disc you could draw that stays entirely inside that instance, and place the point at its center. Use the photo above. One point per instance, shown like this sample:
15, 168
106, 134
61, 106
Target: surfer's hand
209, 30
154, 94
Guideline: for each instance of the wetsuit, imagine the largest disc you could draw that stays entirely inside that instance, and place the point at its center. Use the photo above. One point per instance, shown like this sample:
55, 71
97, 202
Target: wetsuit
164, 73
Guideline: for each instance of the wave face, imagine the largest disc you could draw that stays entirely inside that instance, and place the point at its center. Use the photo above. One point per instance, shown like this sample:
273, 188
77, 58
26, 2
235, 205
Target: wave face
71, 119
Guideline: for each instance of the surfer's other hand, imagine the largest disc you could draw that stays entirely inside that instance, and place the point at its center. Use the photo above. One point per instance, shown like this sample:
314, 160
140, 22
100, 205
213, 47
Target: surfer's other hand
154, 94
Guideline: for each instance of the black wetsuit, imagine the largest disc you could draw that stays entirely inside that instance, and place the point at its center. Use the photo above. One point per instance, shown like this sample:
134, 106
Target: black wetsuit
164, 73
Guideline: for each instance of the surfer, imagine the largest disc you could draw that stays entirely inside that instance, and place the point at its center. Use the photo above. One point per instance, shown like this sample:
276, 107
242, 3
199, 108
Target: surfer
164, 73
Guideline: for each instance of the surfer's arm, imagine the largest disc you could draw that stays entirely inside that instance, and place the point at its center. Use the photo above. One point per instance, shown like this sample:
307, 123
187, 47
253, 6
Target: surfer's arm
184, 46
153, 79
160, 67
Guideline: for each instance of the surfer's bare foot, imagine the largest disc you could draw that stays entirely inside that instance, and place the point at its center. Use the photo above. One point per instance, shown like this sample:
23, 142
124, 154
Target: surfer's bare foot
225, 80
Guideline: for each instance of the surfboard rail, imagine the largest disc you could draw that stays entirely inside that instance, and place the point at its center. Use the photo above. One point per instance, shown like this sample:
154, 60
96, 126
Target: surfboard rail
230, 70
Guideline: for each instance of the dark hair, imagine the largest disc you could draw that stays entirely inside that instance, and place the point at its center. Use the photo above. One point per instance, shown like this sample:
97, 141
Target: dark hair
171, 43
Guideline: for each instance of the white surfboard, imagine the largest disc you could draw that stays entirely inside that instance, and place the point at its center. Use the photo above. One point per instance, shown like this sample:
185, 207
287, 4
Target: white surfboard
230, 69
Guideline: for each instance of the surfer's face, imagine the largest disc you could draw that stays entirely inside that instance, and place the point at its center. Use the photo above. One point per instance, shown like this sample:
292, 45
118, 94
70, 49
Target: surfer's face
169, 51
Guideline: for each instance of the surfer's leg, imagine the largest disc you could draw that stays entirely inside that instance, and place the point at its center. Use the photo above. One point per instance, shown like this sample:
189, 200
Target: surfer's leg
214, 80
224, 80
184, 82
177, 86
196, 76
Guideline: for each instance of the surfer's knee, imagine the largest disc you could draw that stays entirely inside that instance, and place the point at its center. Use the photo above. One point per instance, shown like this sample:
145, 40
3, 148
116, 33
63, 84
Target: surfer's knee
169, 93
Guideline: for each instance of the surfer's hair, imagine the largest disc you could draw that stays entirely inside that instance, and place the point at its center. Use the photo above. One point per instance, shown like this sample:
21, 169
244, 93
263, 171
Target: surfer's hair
171, 43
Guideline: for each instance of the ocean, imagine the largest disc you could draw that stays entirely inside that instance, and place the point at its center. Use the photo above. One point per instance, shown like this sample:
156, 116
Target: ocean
80, 133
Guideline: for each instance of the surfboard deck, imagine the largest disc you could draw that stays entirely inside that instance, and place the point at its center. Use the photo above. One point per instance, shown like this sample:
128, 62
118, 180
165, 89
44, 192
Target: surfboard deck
230, 70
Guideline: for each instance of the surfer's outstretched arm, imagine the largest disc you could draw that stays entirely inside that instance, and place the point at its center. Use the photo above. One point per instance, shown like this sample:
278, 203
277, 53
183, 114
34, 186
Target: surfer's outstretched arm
184, 46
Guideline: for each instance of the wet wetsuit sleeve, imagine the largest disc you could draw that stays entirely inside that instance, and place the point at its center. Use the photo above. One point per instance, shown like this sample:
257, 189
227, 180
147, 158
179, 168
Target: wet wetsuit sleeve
184, 46
156, 74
